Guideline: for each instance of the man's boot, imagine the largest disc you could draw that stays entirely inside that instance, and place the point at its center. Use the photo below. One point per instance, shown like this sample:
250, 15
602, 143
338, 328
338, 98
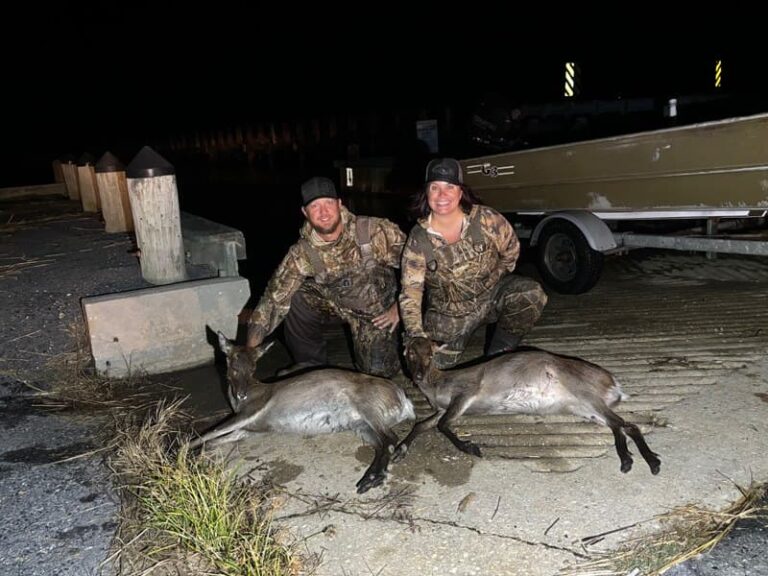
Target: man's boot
501, 341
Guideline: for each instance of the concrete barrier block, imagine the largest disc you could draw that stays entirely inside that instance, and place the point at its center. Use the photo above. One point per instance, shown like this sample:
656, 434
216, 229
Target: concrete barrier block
162, 329
211, 244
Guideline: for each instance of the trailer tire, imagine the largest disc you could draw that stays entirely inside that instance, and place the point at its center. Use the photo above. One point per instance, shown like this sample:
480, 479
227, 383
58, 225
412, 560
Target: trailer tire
565, 260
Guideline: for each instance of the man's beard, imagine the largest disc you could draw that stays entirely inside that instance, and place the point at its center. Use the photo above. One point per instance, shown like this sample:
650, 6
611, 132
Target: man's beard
327, 229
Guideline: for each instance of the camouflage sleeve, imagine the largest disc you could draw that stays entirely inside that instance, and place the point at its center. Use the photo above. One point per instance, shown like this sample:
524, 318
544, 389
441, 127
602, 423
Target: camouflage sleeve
504, 236
388, 241
414, 266
276, 301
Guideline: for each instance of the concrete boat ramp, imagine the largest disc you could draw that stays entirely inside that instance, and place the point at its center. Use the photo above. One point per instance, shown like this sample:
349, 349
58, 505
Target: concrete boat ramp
686, 337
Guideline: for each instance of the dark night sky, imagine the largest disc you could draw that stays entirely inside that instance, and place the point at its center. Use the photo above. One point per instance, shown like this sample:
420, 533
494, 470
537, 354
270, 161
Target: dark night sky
77, 74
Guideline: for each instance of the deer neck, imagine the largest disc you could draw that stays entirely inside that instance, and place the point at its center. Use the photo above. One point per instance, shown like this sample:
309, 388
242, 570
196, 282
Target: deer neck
431, 385
259, 392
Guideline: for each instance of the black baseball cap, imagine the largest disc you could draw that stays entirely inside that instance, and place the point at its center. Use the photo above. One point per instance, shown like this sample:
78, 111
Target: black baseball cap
445, 170
317, 187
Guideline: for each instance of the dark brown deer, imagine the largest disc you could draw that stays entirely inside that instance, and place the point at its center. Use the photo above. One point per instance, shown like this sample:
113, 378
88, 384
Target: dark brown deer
311, 403
521, 382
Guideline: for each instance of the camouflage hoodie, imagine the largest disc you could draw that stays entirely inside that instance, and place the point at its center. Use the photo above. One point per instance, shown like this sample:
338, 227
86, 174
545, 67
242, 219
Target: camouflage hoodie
453, 290
338, 257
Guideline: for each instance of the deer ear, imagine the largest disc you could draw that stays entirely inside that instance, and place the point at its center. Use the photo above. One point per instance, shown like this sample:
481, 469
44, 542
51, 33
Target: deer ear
225, 343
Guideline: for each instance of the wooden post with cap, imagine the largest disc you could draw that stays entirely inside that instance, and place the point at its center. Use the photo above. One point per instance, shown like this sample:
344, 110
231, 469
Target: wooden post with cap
69, 169
156, 217
113, 194
58, 174
89, 188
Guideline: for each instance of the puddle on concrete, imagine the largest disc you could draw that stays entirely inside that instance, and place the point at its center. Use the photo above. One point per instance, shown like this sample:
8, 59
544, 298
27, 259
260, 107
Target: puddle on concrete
281, 471
38, 454
430, 455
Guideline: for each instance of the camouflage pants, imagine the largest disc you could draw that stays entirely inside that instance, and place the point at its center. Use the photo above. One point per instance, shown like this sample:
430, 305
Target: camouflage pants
375, 351
514, 304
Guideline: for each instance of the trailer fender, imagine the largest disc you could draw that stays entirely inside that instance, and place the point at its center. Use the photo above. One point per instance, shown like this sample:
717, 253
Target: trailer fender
595, 231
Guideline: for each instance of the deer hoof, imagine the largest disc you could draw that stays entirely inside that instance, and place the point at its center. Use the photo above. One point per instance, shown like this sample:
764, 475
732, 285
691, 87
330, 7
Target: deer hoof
472, 449
399, 453
369, 481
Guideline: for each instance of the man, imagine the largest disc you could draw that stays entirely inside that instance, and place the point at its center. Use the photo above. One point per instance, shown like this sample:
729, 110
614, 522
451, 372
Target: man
342, 267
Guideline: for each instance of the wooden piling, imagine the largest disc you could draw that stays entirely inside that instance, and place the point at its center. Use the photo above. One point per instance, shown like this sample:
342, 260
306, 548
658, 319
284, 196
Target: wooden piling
113, 194
69, 169
58, 175
89, 188
156, 217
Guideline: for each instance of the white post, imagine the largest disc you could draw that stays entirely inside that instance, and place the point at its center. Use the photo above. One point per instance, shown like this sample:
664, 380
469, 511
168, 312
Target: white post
156, 217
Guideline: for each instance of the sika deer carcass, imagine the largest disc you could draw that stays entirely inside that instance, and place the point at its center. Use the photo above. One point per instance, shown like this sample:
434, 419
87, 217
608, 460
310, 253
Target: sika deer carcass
311, 403
522, 382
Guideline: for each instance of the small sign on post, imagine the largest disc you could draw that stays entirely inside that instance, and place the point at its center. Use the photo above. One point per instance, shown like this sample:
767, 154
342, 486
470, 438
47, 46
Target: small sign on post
156, 217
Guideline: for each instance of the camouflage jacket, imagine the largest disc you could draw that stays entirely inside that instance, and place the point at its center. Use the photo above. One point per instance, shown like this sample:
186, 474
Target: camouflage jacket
343, 254
463, 271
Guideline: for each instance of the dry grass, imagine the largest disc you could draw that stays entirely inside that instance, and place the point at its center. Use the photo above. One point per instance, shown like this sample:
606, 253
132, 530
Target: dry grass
74, 383
187, 515
684, 533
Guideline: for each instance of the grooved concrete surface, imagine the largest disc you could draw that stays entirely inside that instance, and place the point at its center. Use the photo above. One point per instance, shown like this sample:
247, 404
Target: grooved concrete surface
687, 338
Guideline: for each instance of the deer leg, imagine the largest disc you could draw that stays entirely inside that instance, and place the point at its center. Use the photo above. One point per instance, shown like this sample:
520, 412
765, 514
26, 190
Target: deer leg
233, 429
426, 424
382, 442
654, 463
617, 424
456, 409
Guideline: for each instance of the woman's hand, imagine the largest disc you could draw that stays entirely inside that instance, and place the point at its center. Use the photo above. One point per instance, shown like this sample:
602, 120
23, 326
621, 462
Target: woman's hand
389, 320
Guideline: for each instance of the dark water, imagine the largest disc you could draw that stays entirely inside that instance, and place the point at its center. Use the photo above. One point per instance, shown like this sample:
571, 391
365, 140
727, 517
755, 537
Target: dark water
265, 205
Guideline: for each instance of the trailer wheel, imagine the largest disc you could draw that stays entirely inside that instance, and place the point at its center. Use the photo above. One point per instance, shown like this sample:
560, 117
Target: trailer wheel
565, 260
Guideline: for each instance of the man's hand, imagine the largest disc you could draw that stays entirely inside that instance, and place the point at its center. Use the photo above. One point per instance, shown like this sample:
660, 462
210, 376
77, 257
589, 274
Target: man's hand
389, 320
254, 338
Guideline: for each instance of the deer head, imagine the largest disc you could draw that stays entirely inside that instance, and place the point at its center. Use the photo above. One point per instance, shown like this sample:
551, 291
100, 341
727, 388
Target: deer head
241, 368
418, 358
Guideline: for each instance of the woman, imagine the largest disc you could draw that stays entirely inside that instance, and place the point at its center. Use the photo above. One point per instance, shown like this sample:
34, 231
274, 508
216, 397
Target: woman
456, 268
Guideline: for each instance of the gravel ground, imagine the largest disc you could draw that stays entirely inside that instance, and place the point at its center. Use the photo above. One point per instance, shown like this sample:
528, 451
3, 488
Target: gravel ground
60, 516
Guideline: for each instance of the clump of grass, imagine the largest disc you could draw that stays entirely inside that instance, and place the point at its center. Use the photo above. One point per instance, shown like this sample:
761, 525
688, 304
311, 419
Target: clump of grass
191, 512
685, 532
180, 514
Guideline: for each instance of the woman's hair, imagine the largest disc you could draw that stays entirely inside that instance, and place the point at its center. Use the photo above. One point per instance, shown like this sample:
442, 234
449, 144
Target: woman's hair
420, 206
